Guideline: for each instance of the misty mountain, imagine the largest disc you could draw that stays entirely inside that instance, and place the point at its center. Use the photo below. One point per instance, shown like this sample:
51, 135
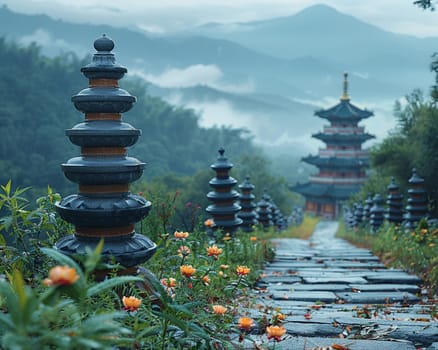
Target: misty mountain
323, 32
267, 76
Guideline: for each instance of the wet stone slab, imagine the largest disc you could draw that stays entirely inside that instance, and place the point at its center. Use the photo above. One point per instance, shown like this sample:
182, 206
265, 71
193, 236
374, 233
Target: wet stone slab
392, 277
355, 265
312, 287
327, 297
378, 297
335, 279
412, 288
284, 279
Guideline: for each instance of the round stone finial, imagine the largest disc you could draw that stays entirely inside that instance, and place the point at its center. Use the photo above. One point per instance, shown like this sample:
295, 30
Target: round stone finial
104, 43
221, 151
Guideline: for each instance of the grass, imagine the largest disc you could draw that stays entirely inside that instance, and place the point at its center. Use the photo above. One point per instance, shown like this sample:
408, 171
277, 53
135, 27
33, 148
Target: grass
302, 231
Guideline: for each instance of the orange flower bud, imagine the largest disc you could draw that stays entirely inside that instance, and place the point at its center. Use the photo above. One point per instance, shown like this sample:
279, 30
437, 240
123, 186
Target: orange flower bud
242, 270
187, 270
214, 251
61, 276
246, 323
209, 223
206, 280
275, 332
219, 309
180, 235
131, 303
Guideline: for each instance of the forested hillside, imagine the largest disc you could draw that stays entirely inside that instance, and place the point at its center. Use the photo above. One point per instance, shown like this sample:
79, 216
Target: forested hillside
36, 108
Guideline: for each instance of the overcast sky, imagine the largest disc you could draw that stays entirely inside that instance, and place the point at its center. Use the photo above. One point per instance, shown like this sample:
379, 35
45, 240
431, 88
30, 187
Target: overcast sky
399, 16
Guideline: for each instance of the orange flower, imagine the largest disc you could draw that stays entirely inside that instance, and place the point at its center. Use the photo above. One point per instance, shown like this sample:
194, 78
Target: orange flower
242, 270
168, 282
280, 317
246, 323
275, 332
214, 251
253, 238
183, 251
206, 280
227, 237
209, 223
180, 235
187, 270
219, 309
61, 276
131, 303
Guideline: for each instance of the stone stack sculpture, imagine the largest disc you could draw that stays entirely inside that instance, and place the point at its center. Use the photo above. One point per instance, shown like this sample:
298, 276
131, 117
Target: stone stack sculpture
417, 200
224, 207
394, 201
104, 208
247, 213
377, 212
264, 216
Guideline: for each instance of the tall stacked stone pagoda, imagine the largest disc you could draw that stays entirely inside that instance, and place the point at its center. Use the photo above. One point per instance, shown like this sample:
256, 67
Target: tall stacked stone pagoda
342, 163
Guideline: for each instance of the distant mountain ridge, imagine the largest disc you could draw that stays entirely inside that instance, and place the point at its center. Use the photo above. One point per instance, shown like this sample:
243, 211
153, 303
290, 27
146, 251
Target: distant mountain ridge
294, 64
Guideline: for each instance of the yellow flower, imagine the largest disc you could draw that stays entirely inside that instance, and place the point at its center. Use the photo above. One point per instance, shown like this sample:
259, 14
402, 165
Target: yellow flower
431, 245
131, 303
246, 323
224, 267
209, 223
61, 276
219, 309
253, 238
242, 270
187, 270
180, 235
206, 280
214, 251
275, 332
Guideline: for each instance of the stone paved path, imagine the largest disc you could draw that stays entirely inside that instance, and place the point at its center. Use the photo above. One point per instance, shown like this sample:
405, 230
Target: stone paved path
330, 289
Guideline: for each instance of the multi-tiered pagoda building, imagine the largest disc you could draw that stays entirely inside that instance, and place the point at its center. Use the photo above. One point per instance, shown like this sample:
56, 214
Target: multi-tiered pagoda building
342, 163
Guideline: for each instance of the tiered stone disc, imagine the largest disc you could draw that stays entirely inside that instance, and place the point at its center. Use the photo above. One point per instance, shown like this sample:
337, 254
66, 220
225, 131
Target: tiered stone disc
417, 200
377, 212
394, 200
104, 208
224, 207
264, 216
366, 210
358, 214
247, 213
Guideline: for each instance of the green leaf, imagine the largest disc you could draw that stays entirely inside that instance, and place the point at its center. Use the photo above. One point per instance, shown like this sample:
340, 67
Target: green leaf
111, 283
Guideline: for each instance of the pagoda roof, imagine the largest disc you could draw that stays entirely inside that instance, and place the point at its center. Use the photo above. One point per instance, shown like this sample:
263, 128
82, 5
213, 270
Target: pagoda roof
336, 162
328, 191
343, 137
345, 111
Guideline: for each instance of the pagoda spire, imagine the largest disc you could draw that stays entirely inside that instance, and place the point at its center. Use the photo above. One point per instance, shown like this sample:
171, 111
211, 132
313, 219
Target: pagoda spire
345, 96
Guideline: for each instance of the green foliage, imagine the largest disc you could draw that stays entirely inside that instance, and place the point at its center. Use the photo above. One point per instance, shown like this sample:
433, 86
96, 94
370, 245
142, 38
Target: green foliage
412, 145
24, 231
67, 316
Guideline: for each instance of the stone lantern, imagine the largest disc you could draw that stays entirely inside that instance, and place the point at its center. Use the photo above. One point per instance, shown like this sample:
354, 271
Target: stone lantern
358, 214
394, 200
224, 207
377, 212
247, 213
104, 208
366, 209
417, 200
264, 216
